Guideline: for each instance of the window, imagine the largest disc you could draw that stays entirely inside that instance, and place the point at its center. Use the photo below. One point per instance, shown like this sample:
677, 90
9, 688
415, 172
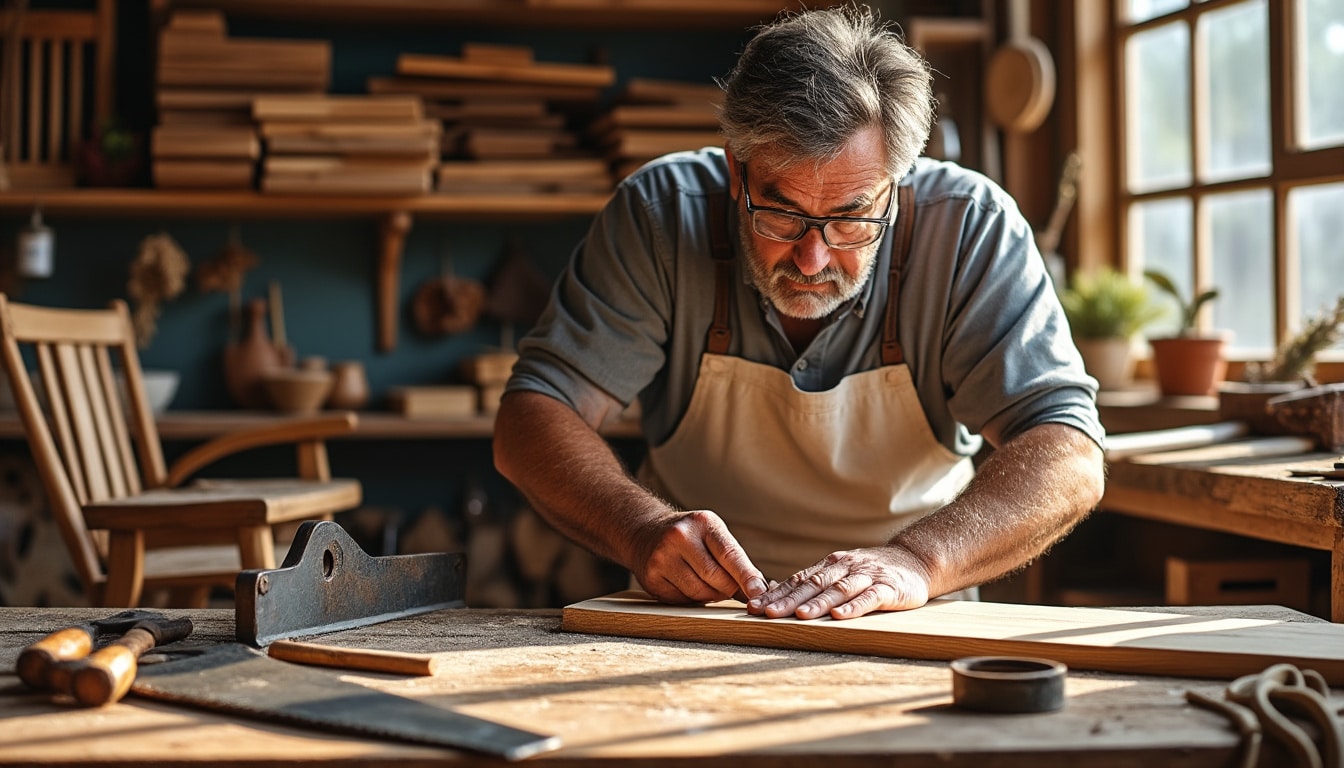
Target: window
1232, 171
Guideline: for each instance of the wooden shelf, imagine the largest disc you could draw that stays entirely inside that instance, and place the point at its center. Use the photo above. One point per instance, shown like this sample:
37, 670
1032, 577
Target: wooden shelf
217, 204
565, 14
373, 425
394, 213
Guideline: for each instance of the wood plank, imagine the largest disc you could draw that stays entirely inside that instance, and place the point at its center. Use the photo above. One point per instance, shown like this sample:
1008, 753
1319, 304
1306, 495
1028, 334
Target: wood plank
204, 174
1106, 639
193, 142
347, 108
545, 73
432, 88
224, 504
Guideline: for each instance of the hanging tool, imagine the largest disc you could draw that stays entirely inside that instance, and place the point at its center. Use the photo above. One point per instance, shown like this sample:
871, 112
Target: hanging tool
328, 583
64, 662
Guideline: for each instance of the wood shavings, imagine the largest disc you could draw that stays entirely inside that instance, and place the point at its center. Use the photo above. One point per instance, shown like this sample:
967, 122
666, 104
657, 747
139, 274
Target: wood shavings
158, 273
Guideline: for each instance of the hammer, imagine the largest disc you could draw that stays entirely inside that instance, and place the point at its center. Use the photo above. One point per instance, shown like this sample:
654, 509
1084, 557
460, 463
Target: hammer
62, 663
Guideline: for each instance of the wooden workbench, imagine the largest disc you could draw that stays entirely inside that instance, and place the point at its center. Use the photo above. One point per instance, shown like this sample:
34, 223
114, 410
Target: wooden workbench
635, 703
1220, 488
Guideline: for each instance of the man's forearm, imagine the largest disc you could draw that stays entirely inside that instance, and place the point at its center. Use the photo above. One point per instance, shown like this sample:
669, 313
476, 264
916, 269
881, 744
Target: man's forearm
571, 476
1030, 492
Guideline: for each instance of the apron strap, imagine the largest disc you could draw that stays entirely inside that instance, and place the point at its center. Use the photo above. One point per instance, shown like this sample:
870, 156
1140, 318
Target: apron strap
892, 353
719, 333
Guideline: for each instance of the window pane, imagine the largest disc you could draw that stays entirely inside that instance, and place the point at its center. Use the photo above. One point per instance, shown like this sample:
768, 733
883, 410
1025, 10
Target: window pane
1158, 107
1241, 232
1316, 216
1161, 237
1320, 67
1142, 10
1236, 116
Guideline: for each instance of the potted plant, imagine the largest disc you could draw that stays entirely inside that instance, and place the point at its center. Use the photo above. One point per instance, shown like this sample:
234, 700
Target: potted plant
1106, 309
1191, 362
1292, 368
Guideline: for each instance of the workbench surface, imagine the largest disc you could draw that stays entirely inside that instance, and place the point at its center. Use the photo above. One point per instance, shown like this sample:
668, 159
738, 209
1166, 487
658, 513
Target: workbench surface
634, 702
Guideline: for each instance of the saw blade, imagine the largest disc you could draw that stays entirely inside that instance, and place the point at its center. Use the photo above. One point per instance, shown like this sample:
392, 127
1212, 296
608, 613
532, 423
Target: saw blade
236, 679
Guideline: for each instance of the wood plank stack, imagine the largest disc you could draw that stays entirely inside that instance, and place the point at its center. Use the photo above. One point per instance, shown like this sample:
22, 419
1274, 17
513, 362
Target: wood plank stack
654, 117
506, 119
354, 144
207, 81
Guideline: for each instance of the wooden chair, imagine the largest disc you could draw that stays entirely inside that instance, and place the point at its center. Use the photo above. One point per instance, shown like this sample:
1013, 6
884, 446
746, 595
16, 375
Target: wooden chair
46, 57
130, 525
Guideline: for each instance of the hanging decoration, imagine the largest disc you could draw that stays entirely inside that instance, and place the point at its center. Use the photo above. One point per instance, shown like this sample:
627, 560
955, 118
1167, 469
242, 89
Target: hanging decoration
158, 274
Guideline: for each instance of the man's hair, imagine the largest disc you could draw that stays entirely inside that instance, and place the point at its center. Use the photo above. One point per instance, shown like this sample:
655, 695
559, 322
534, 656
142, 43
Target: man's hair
808, 82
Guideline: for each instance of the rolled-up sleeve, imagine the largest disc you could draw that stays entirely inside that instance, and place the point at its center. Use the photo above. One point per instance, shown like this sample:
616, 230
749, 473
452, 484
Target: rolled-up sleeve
607, 321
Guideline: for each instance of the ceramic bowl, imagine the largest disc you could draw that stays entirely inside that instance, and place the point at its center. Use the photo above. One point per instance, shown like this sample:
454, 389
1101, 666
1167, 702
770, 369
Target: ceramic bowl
295, 390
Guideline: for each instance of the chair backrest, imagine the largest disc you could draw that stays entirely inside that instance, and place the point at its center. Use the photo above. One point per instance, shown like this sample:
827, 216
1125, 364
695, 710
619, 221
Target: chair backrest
48, 56
79, 433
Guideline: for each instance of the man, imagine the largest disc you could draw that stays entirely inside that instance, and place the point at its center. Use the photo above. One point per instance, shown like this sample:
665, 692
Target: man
819, 330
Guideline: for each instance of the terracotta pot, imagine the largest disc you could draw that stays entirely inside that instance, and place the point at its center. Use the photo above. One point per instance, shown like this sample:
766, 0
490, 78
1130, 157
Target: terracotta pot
1109, 361
351, 388
1189, 365
247, 363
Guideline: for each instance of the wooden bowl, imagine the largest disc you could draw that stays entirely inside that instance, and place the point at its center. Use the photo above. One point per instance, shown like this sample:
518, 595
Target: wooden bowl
296, 390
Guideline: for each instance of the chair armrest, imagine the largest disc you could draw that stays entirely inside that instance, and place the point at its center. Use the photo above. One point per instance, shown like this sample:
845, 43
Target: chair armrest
301, 431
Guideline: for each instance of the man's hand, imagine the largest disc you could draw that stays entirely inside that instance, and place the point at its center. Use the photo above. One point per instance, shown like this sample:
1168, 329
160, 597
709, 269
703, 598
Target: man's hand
849, 584
692, 558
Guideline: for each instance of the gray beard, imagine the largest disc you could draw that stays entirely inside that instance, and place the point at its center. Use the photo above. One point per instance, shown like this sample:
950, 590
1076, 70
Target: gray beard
804, 305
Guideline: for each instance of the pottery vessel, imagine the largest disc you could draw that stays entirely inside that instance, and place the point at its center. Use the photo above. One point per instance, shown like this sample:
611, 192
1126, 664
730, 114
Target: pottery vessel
350, 391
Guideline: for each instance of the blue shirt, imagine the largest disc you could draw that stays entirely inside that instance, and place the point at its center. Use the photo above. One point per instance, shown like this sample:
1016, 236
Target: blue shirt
980, 323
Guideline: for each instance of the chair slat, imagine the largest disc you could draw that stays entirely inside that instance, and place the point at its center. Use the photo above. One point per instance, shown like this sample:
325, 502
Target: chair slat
60, 421
76, 91
56, 146
75, 395
102, 402
34, 101
125, 456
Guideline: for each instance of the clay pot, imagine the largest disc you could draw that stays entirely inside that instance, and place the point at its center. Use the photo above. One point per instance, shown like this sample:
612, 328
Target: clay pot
246, 363
350, 391
296, 390
1189, 365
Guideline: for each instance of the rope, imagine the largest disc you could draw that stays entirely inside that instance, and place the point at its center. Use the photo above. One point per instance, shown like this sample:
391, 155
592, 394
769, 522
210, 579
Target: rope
1263, 704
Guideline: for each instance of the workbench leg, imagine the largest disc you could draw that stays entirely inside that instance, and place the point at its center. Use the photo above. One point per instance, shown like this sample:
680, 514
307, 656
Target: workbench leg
1337, 578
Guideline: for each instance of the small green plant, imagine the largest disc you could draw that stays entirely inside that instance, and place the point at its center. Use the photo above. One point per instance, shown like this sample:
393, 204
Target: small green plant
1107, 304
1189, 309
1295, 358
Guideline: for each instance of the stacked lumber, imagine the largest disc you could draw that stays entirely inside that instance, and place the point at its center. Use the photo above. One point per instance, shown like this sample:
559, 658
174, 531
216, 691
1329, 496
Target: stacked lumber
506, 118
205, 137
380, 145
650, 118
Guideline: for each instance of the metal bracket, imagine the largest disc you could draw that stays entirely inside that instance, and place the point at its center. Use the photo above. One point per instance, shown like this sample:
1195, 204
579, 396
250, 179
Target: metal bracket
328, 583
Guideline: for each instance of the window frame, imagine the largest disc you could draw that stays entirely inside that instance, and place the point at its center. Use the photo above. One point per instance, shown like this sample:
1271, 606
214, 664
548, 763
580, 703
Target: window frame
1290, 166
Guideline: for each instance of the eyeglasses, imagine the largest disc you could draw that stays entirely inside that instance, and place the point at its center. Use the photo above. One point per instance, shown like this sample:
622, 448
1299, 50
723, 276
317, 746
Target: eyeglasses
844, 233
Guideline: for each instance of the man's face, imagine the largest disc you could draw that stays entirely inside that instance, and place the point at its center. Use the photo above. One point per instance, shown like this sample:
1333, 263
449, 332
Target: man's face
807, 278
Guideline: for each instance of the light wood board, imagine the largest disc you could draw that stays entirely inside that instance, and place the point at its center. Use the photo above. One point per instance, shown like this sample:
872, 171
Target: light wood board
1103, 639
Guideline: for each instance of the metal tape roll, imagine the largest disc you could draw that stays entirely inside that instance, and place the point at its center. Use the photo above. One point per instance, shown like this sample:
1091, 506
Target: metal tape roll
1008, 684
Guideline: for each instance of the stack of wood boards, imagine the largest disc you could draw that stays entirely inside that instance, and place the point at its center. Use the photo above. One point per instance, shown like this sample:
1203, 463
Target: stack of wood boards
205, 137
338, 145
506, 119
651, 118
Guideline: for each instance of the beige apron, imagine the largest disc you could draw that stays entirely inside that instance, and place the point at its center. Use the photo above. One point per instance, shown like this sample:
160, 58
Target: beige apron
797, 475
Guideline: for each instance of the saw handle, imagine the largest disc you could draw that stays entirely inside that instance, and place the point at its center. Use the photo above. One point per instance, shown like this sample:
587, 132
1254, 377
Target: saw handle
106, 674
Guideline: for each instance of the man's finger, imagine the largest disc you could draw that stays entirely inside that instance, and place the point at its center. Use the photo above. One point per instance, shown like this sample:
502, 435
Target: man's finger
734, 560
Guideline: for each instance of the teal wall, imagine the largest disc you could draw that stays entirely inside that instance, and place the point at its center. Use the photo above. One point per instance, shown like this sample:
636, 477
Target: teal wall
327, 267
